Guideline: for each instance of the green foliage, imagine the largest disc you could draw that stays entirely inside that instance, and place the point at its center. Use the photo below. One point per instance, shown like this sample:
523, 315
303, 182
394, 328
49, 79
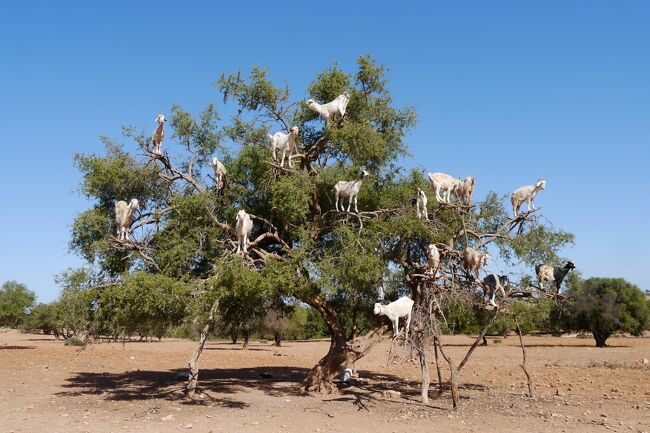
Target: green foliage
533, 316
290, 197
315, 326
188, 244
604, 306
117, 176
75, 303
200, 135
253, 93
303, 250
243, 295
142, 304
15, 302
107, 179
73, 341
44, 318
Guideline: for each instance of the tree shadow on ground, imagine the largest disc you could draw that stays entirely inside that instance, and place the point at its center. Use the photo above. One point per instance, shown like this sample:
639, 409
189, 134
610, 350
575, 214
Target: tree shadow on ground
367, 389
235, 348
144, 385
567, 346
213, 383
16, 347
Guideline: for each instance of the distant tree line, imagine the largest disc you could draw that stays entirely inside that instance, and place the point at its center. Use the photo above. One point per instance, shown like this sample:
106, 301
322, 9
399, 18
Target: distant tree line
149, 306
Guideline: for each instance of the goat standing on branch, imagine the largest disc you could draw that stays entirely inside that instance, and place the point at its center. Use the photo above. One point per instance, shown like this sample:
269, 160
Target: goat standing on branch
421, 204
243, 228
349, 189
473, 261
526, 194
285, 143
124, 217
396, 309
219, 172
433, 260
465, 190
327, 111
444, 185
158, 134
491, 284
546, 273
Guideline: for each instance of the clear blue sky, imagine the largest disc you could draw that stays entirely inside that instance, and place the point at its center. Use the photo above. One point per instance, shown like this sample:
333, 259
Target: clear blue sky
508, 91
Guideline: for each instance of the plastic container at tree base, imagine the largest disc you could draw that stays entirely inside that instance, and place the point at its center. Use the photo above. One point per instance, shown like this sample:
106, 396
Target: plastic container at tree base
346, 375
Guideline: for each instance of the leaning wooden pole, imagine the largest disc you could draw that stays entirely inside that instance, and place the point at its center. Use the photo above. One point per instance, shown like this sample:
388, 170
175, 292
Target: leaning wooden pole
435, 352
190, 389
453, 375
479, 338
529, 379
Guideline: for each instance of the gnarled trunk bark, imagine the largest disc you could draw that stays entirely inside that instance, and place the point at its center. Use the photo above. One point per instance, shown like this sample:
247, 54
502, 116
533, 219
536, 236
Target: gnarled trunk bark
320, 378
341, 355
600, 339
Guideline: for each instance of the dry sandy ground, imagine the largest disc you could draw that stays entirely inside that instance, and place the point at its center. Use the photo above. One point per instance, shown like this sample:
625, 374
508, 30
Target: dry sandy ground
48, 387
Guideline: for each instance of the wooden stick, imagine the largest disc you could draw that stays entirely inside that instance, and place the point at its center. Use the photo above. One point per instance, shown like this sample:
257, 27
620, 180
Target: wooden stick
529, 379
479, 338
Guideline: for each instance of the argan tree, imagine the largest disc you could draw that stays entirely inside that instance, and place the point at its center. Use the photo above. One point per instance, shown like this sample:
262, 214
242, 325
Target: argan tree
15, 302
604, 306
301, 247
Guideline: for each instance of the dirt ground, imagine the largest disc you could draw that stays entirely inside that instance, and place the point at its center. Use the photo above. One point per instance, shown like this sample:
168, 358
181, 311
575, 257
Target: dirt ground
48, 387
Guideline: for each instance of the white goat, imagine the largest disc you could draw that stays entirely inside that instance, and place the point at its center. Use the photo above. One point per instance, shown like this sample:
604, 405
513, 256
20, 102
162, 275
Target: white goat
433, 259
219, 172
465, 190
158, 134
327, 111
526, 194
285, 143
349, 189
124, 217
491, 284
546, 273
444, 185
243, 228
473, 260
400, 308
422, 205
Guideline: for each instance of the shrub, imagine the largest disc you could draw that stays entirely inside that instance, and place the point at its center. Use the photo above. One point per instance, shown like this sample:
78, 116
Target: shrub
73, 341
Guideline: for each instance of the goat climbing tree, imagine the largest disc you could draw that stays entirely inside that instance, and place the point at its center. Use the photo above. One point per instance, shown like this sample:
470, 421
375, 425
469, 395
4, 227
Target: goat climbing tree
301, 247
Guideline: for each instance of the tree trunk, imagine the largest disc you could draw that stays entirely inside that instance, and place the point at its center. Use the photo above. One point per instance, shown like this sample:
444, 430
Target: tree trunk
277, 337
354, 321
435, 352
233, 337
453, 376
190, 389
341, 354
426, 380
600, 339
246, 334
320, 378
